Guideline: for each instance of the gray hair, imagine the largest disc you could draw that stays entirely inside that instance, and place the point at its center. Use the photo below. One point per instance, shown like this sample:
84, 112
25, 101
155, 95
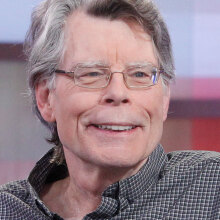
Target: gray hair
44, 44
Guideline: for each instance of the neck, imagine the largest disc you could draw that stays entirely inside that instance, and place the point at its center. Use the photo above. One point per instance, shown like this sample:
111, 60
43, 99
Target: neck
80, 193
92, 179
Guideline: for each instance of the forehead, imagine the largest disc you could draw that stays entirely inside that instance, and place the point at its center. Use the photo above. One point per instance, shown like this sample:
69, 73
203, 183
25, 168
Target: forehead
89, 38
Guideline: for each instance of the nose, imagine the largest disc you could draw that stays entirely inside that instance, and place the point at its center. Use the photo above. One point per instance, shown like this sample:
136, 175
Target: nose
116, 92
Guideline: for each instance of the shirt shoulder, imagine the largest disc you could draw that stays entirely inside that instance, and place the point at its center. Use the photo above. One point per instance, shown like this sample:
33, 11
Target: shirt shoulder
203, 161
193, 157
15, 187
17, 190
17, 202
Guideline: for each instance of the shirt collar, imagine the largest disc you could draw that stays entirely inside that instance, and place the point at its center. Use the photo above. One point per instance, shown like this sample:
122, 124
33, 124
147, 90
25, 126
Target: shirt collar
134, 186
119, 195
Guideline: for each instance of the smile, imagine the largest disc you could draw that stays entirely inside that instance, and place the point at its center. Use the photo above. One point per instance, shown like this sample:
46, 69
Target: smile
114, 127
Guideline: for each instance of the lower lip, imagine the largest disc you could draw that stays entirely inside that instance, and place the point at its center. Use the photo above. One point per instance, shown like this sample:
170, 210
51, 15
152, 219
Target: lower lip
111, 132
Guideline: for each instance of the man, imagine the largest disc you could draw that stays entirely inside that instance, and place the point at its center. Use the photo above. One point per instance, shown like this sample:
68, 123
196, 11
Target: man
99, 76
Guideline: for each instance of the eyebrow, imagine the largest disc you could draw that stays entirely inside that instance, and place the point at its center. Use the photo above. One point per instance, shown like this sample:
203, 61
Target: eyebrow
139, 64
104, 64
91, 64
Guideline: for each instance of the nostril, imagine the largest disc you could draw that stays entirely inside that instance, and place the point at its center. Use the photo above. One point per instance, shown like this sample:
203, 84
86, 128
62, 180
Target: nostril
112, 101
109, 100
125, 101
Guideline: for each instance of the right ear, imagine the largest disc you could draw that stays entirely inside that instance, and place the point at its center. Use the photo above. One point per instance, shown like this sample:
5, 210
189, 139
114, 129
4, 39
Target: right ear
43, 99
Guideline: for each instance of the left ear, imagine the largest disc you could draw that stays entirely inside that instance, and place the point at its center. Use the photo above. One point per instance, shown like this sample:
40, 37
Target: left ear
166, 101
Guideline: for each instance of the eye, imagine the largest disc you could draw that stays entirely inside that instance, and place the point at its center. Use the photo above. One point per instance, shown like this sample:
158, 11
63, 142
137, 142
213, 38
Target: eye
140, 74
93, 74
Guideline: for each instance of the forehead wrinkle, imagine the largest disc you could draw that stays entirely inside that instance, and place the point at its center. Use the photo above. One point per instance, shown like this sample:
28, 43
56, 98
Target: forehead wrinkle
139, 64
137, 34
98, 63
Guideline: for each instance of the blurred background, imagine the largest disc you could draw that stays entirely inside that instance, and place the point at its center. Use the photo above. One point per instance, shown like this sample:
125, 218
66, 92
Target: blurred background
194, 115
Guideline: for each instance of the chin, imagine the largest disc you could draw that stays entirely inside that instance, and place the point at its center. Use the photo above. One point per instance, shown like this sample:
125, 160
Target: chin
121, 159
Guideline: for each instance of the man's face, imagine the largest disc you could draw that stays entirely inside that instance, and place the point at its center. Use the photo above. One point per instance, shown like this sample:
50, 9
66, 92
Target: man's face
76, 110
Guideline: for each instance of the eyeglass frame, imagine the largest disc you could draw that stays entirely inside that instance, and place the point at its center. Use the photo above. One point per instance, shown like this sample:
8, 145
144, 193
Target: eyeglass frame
159, 71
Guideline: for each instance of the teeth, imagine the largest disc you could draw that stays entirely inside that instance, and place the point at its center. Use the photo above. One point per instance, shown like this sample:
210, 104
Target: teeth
115, 127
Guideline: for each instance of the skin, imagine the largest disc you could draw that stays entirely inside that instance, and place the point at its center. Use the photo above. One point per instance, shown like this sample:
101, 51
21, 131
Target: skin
100, 156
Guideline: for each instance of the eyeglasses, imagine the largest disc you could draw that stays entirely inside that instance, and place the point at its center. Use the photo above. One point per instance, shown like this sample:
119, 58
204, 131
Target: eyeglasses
99, 77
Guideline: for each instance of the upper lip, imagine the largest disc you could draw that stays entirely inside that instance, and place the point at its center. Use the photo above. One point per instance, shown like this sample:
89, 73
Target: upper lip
126, 124
121, 117
115, 124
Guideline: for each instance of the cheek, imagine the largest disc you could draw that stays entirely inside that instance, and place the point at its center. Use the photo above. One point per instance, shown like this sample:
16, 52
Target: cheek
74, 106
72, 100
151, 102
69, 105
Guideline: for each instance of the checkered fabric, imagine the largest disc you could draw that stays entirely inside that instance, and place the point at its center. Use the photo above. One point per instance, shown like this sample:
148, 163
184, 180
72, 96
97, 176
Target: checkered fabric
177, 186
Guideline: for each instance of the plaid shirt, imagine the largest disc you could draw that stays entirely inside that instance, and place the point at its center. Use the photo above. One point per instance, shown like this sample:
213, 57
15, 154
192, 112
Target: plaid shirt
179, 185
